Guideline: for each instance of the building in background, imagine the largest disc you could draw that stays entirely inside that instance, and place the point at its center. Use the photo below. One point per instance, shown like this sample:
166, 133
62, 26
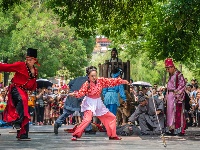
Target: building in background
102, 44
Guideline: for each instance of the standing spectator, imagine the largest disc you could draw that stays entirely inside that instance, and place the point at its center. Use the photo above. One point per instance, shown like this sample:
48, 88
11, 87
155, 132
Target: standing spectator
47, 106
198, 105
31, 105
3, 98
55, 111
40, 106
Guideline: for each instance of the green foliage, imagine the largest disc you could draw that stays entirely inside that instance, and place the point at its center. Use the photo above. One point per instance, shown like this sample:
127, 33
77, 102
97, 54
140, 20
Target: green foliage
142, 67
28, 25
110, 17
173, 29
147, 29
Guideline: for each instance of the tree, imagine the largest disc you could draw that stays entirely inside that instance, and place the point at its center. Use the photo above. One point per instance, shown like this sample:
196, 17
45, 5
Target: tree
168, 28
37, 27
173, 30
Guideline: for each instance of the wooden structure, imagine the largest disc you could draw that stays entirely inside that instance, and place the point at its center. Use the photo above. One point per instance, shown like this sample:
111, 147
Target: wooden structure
105, 70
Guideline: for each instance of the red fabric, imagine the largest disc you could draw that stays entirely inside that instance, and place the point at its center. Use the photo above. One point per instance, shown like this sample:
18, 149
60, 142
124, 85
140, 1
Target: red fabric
178, 118
21, 78
95, 90
169, 62
21, 74
85, 122
71, 130
10, 113
108, 120
100, 128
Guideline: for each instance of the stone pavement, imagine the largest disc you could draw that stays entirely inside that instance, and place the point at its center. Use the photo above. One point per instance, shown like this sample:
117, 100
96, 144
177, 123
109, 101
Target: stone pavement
43, 138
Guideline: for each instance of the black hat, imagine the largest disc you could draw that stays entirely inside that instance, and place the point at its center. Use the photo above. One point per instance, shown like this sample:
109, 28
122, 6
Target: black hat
32, 52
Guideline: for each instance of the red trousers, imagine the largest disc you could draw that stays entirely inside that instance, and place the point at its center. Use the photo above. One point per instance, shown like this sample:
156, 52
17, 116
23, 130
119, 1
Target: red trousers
108, 120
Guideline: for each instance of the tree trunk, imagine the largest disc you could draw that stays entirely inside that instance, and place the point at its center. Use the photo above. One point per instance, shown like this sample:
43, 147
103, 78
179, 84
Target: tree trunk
180, 66
5, 74
164, 78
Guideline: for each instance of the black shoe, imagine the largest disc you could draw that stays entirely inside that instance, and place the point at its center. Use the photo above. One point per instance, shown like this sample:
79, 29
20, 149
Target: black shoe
56, 128
90, 132
181, 134
170, 134
24, 137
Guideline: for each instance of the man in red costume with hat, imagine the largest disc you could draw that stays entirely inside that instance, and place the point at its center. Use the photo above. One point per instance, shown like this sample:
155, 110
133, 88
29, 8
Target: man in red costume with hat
16, 112
175, 100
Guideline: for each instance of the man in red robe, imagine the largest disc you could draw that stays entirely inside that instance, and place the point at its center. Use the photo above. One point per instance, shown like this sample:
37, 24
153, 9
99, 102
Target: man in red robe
16, 112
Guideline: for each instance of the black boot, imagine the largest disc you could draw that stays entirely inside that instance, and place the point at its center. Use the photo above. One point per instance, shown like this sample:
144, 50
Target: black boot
56, 126
24, 137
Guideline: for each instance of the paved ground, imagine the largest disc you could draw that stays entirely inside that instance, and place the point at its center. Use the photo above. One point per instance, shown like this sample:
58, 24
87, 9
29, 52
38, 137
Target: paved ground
43, 138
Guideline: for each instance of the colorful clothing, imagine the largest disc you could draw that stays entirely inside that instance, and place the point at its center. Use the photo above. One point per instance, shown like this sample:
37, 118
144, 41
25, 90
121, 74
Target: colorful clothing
92, 105
17, 104
55, 109
111, 95
175, 103
95, 105
93, 90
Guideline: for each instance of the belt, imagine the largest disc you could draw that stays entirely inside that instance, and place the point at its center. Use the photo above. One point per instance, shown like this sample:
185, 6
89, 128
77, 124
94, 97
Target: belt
170, 91
21, 87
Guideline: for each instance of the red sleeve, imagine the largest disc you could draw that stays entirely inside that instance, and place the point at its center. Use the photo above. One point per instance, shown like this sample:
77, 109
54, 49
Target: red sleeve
110, 82
83, 90
10, 67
